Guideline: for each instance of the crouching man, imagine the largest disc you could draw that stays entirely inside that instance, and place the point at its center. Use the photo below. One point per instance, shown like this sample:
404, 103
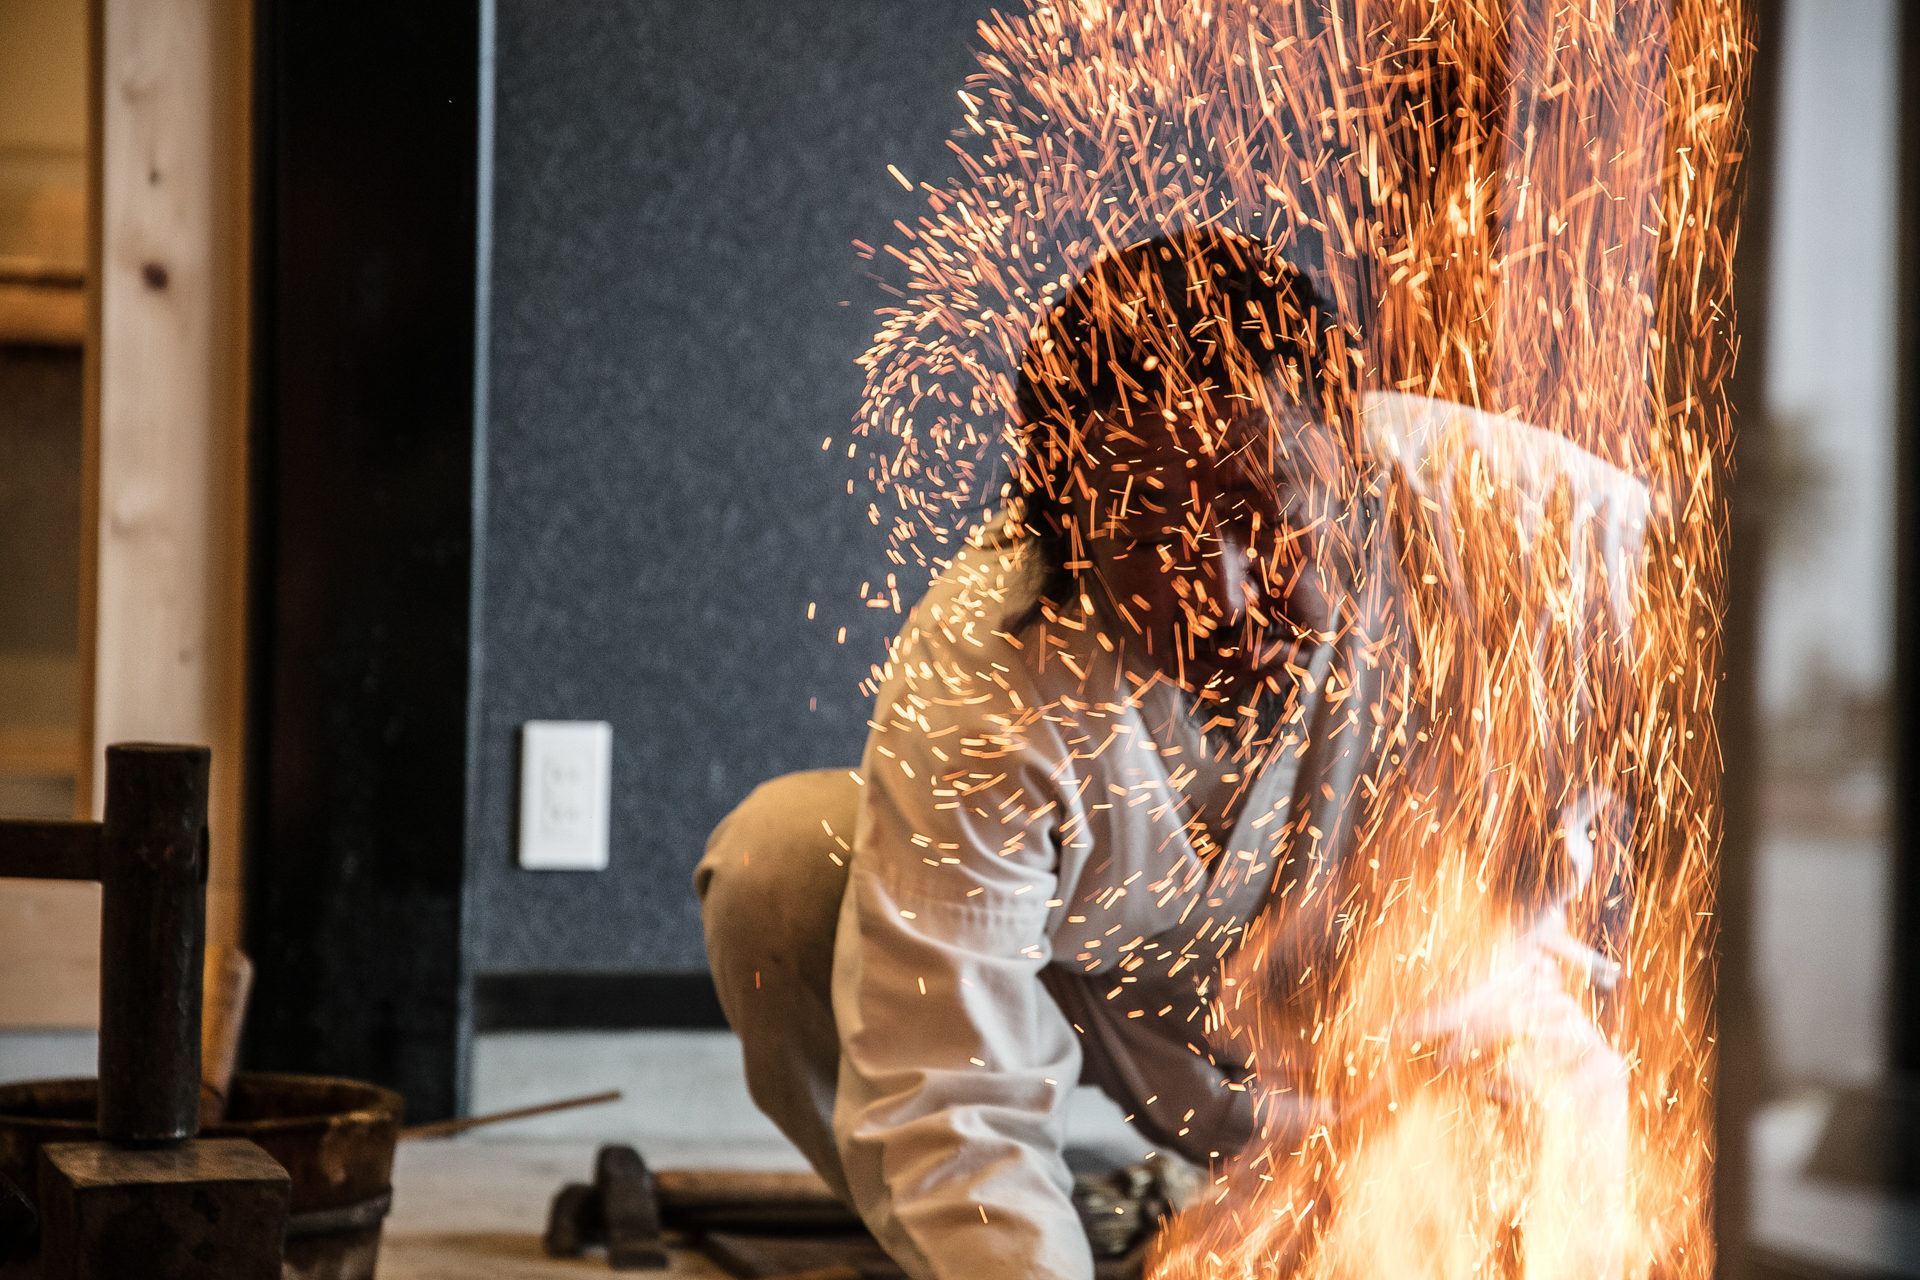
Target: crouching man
1095, 738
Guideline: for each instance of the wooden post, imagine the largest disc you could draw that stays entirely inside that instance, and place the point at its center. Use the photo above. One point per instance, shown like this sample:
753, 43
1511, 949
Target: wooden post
148, 1198
153, 926
163, 602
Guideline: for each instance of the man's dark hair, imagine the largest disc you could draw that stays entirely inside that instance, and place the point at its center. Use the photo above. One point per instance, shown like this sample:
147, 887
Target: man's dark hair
1203, 312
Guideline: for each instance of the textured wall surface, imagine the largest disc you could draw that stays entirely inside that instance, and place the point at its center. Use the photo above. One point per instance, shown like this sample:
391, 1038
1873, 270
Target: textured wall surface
677, 189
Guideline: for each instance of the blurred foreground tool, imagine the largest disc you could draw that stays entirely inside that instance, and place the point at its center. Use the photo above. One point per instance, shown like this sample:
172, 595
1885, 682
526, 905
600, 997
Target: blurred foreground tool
226, 982
19, 1224
147, 1187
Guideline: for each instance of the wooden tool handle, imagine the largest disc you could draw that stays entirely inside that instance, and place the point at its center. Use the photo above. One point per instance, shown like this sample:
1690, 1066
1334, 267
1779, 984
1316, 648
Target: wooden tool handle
225, 985
709, 1186
740, 1200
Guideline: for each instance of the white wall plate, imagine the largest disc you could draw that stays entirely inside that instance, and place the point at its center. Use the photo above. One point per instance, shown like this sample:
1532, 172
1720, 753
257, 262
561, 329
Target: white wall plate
566, 784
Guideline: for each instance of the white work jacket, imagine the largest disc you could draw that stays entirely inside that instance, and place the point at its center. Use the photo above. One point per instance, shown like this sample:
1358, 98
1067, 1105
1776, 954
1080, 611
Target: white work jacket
1024, 875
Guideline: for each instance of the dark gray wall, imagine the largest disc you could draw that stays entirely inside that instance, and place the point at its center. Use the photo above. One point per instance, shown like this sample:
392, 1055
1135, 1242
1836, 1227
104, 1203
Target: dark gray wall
676, 308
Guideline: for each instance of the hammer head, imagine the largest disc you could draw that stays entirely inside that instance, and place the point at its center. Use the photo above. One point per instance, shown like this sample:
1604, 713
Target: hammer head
620, 1210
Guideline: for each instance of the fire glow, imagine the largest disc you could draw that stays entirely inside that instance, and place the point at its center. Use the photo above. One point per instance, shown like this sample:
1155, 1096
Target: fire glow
1531, 207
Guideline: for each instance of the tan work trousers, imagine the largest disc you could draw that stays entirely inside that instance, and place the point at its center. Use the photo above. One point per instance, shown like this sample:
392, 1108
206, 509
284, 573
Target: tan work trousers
770, 892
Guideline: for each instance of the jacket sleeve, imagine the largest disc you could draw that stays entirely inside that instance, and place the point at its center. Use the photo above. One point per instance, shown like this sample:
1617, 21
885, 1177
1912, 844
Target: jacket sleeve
956, 1064
1438, 446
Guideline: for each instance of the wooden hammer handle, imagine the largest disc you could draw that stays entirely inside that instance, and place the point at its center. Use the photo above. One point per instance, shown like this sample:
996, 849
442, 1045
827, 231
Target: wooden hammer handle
225, 984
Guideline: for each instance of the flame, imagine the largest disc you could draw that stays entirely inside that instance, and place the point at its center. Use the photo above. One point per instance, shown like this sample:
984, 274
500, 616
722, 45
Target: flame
1486, 1047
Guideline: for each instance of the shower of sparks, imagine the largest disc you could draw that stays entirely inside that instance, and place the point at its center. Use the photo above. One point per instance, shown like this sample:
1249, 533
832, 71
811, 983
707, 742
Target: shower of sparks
1527, 209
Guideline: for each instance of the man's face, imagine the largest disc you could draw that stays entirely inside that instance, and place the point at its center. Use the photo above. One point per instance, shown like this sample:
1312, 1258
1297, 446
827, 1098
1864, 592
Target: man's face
1210, 537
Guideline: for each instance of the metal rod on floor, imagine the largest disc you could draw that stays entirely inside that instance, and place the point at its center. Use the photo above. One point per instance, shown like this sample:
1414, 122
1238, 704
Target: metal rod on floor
447, 1128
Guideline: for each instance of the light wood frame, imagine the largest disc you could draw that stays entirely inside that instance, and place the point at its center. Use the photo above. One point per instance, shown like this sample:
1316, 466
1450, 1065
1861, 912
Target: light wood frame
163, 552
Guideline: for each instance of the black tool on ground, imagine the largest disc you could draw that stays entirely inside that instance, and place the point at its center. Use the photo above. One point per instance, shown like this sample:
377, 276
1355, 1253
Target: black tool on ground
148, 1189
777, 1225
621, 1211
758, 1224
691, 1202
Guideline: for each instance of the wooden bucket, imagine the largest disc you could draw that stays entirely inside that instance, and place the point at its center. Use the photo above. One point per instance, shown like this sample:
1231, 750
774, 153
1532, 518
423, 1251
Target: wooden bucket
335, 1138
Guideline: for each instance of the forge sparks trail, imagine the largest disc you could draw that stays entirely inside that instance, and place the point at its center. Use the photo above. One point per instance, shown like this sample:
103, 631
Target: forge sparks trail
1470, 985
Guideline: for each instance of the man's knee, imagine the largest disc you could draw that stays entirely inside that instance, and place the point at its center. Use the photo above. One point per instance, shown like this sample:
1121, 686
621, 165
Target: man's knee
770, 887
774, 870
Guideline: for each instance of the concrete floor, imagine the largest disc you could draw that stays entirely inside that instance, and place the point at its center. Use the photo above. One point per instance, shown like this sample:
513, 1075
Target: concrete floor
475, 1206
472, 1209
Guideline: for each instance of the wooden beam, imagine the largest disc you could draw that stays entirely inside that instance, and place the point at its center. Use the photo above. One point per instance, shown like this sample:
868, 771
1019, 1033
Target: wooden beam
36, 850
40, 751
54, 314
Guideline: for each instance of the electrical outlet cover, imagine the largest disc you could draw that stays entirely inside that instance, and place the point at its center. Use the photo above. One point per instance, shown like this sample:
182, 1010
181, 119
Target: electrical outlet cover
566, 784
